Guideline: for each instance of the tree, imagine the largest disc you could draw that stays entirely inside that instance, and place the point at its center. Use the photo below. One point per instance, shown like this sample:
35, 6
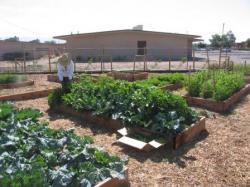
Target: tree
200, 45
226, 40
12, 39
230, 39
35, 41
216, 41
248, 43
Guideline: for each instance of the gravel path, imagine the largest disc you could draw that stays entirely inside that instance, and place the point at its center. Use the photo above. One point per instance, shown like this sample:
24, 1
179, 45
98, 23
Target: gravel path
40, 83
219, 157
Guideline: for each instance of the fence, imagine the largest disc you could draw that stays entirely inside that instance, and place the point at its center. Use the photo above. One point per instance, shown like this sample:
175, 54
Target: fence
44, 60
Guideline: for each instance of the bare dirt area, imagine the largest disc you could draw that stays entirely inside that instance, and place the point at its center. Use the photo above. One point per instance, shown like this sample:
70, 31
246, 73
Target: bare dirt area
40, 83
218, 157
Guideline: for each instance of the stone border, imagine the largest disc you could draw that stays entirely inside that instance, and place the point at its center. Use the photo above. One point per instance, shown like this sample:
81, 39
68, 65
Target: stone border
16, 85
115, 125
128, 76
218, 106
27, 95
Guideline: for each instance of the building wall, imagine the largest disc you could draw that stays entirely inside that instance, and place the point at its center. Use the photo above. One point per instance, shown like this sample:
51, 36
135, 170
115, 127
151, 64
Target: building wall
125, 44
33, 49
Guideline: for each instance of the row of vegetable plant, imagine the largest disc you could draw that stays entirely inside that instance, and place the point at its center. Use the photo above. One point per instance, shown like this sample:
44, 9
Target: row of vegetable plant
133, 104
163, 80
32, 154
11, 78
215, 84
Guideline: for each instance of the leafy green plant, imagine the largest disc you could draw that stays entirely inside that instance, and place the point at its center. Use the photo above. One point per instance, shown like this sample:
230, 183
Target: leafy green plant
55, 97
32, 154
162, 80
27, 113
12, 78
216, 84
131, 103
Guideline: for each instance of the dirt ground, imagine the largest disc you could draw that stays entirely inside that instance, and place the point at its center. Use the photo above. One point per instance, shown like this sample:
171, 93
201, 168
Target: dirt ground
40, 83
218, 157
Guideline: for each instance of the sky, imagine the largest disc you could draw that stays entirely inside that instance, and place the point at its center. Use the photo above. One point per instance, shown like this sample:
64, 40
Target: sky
43, 19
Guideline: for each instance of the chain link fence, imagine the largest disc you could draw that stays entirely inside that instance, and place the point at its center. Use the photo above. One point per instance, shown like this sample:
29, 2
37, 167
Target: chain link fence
44, 60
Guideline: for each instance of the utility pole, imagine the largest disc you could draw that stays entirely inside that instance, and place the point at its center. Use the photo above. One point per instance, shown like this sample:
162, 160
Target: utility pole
223, 26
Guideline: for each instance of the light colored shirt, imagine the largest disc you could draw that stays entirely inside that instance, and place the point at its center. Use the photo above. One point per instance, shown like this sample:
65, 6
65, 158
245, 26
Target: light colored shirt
65, 71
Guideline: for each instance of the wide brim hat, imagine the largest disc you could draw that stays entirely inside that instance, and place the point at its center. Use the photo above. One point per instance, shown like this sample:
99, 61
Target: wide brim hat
64, 60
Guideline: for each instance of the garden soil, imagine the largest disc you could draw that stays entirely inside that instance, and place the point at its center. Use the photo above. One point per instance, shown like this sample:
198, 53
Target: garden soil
218, 157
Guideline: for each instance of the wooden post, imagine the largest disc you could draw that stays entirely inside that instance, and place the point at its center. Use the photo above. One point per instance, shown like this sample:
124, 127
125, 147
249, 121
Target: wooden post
111, 58
144, 59
49, 61
169, 62
187, 61
245, 66
24, 61
134, 63
102, 65
74, 65
189, 75
193, 59
15, 65
220, 57
207, 56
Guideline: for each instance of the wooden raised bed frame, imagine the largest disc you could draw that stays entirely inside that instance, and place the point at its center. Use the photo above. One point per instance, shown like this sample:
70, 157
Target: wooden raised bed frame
128, 76
53, 78
116, 125
115, 182
27, 95
185, 136
218, 106
172, 87
16, 85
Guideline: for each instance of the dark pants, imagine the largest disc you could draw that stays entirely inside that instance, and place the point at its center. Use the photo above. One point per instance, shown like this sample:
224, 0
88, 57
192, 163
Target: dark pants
65, 85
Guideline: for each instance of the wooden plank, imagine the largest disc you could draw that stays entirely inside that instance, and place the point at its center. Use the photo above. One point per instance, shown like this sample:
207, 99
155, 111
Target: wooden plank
27, 95
132, 142
188, 134
16, 85
218, 106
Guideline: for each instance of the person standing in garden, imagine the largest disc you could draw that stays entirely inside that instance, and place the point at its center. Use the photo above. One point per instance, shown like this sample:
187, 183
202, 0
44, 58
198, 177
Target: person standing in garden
65, 72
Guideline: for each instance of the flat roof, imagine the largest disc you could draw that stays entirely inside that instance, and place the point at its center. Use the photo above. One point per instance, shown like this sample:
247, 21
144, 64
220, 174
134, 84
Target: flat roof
65, 37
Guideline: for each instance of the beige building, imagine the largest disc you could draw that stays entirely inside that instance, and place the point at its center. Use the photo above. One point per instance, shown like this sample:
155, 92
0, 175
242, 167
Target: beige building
126, 44
32, 50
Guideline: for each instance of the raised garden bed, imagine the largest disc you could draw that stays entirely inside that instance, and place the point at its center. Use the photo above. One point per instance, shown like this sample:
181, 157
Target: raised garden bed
172, 87
36, 155
27, 95
16, 85
99, 120
181, 138
128, 76
218, 106
53, 78
116, 126
247, 79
